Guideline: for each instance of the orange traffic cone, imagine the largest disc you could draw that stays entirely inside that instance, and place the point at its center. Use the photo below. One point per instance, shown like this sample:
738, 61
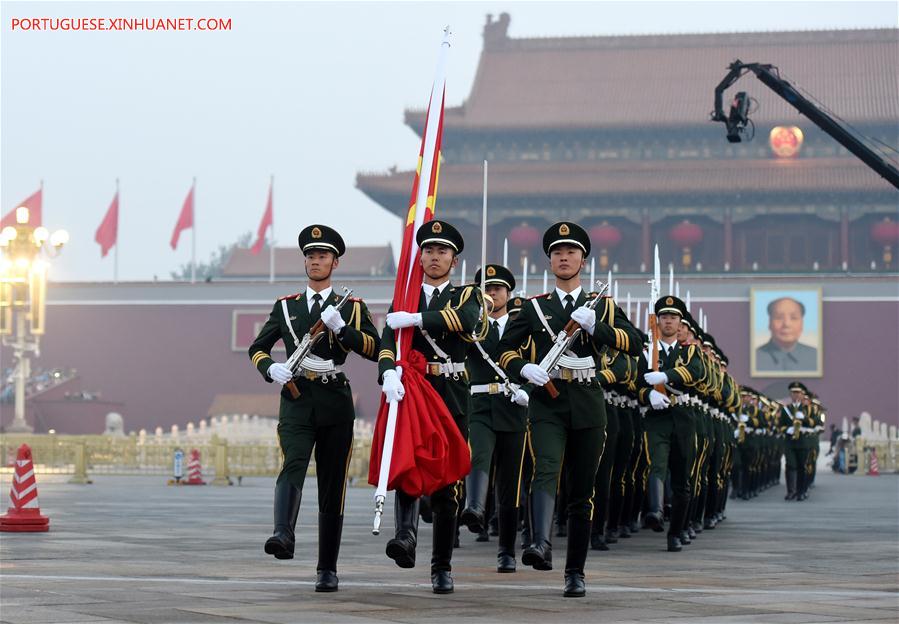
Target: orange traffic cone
194, 472
874, 469
24, 513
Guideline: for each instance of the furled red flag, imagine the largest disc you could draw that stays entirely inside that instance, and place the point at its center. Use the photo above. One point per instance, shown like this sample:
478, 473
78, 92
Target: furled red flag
417, 447
34, 204
108, 232
266, 223
185, 219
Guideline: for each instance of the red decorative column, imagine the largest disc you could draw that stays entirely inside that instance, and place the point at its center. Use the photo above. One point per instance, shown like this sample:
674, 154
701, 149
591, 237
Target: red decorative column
728, 240
844, 239
646, 242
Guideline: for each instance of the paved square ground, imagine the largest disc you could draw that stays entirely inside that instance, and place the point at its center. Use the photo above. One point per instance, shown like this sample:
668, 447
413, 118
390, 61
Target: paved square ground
131, 549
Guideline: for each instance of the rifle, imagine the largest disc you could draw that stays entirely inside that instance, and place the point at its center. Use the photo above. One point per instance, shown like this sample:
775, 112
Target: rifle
563, 341
305, 346
653, 322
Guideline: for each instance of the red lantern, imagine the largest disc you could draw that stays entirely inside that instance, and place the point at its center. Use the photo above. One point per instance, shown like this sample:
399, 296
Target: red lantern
524, 236
686, 235
886, 233
785, 141
605, 236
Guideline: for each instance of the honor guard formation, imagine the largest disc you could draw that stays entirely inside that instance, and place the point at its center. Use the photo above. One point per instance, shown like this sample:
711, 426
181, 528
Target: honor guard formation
579, 424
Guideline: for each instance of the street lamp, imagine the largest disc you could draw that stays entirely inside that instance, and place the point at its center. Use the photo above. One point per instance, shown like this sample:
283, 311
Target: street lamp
23, 296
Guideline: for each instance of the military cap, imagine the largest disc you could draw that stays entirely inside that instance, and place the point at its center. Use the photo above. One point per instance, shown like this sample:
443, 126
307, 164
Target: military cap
669, 304
687, 319
798, 385
566, 233
515, 304
439, 233
318, 236
496, 274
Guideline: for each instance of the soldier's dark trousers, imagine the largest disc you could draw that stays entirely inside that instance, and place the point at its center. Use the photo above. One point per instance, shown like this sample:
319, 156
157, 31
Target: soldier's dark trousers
602, 486
670, 436
506, 449
622, 477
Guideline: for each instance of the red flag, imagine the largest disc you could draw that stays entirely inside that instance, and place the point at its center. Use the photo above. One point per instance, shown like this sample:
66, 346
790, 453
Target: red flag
429, 452
108, 232
35, 207
263, 225
185, 219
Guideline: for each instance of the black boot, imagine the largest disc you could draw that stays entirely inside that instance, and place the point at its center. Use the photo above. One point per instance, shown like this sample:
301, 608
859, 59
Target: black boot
330, 528
576, 556
539, 553
287, 506
402, 547
507, 521
598, 542
655, 494
442, 553
679, 507
476, 485
673, 543
791, 485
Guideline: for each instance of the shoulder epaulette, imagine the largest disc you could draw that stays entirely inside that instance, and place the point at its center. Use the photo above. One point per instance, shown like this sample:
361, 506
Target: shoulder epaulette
293, 296
355, 299
546, 294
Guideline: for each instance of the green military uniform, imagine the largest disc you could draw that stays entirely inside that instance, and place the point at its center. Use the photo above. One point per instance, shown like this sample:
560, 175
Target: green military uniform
793, 418
670, 433
497, 429
321, 419
571, 426
617, 371
447, 324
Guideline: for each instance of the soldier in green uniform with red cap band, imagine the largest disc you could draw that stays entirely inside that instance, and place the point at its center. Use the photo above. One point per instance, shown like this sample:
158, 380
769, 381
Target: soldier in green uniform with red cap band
320, 419
572, 425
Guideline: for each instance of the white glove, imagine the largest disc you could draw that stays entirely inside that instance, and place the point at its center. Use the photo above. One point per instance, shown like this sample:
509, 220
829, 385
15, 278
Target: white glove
586, 318
399, 320
744, 418
737, 433
654, 378
280, 373
392, 387
534, 374
658, 400
520, 397
332, 319
799, 416
789, 431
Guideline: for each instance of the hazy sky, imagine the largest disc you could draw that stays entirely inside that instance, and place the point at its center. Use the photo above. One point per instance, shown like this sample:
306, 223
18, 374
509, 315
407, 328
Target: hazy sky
311, 93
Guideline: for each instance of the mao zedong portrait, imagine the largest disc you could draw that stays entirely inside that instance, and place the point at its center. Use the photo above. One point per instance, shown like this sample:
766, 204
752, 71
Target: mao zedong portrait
783, 351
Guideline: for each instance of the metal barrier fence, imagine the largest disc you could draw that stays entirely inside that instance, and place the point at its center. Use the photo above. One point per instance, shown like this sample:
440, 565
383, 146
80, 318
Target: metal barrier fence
81, 456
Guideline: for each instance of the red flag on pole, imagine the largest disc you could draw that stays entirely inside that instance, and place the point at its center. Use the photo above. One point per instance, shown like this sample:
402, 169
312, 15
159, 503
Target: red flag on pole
417, 446
108, 231
34, 203
263, 225
185, 219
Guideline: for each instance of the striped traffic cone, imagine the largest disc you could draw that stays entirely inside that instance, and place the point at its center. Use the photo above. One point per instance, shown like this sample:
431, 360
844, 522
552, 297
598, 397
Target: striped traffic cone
874, 469
24, 513
194, 472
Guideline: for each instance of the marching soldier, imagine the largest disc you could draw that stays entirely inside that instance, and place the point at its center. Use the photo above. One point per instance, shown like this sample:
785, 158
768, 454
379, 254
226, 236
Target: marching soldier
670, 427
498, 424
572, 425
793, 418
444, 324
320, 419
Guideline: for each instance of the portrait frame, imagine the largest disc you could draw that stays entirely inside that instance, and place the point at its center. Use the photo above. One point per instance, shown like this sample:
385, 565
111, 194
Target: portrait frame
765, 357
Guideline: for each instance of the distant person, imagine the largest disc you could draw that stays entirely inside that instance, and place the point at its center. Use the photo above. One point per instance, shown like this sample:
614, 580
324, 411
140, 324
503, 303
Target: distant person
856, 428
783, 351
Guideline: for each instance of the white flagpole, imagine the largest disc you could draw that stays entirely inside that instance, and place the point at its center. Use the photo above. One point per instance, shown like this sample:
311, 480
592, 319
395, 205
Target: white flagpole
677, 289
506, 253
430, 143
271, 246
628, 305
462, 278
193, 234
615, 296
484, 234
592, 272
670, 277
545, 280
524, 275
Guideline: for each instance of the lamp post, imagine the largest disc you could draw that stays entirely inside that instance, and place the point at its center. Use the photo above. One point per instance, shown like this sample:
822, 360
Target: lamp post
23, 295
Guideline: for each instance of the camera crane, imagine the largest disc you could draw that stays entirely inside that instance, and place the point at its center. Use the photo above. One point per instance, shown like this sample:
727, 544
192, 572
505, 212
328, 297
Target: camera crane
738, 118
